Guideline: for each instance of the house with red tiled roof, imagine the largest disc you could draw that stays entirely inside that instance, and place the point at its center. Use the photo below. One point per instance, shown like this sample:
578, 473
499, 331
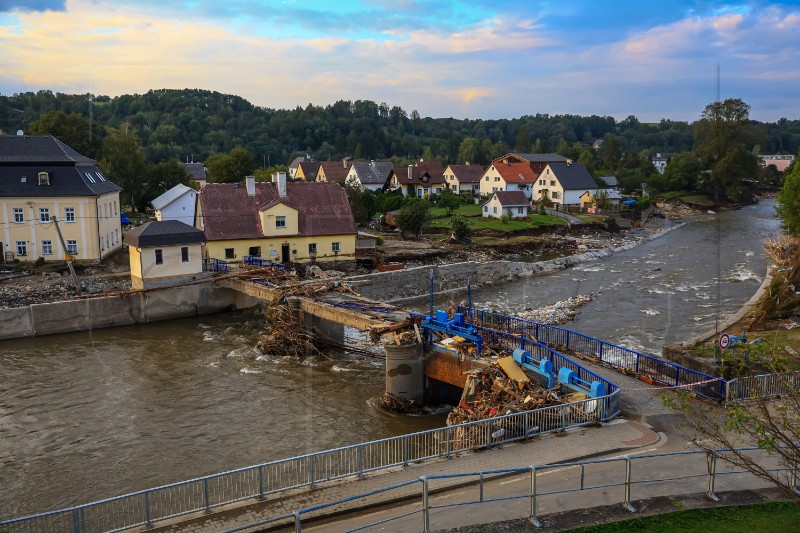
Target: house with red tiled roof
508, 175
283, 222
463, 178
537, 162
334, 171
513, 204
423, 178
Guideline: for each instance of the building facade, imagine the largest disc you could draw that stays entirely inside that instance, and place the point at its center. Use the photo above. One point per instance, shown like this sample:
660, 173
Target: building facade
42, 181
164, 253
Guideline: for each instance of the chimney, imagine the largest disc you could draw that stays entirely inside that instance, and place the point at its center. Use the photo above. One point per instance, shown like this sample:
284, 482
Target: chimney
250, 183
344, 162
569, 162
372, 162
279, 179
410, 171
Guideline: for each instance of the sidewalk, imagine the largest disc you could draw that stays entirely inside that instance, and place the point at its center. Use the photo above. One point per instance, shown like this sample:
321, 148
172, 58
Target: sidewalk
574, 445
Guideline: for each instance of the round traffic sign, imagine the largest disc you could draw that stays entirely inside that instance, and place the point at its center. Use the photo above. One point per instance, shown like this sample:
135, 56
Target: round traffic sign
724, 341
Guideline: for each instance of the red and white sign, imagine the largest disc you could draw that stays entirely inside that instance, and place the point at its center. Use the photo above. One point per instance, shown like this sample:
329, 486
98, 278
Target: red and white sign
724, 341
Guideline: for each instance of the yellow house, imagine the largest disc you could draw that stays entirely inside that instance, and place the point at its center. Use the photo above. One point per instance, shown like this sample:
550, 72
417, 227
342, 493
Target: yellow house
283, 222
307, 171
44, 181
164, 253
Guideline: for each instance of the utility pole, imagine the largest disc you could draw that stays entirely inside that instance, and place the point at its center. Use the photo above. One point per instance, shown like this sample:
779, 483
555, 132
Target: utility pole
69, 257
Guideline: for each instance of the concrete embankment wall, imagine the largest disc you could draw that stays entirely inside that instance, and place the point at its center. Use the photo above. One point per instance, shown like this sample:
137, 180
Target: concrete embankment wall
411, 283
123, 310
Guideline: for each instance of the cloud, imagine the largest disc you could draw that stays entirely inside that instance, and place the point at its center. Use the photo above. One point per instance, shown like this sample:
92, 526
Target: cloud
32, 5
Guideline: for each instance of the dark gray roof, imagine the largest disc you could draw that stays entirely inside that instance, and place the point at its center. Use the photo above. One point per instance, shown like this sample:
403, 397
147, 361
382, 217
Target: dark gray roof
540, 158
38, 149
512, 198
610, 180
297, 160
373, 173
196, 171
70, 173
573, 176
163, 233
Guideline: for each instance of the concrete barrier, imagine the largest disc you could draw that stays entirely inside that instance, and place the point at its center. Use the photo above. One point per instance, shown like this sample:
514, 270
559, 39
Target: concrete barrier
15, 323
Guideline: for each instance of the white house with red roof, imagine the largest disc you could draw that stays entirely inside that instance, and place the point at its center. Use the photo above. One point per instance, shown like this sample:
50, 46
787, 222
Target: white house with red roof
508, 175
463, 178
513, 204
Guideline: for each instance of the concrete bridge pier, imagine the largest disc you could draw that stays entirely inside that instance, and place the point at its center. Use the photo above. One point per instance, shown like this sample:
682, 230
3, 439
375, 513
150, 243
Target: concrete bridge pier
405, 372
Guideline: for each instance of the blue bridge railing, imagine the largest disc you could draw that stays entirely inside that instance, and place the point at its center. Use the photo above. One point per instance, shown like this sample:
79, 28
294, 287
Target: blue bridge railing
215, 265
562, 339
253, 260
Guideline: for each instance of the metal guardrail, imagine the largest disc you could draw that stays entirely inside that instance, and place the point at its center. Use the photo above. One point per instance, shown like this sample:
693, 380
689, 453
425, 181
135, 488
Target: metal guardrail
705, 468
761, 386
215, 265
660, 370
254, 260
145, 508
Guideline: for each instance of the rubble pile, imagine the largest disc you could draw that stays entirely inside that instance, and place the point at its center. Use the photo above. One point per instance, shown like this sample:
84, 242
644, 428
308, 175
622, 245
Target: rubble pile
400, 405
491, 392
286, 337
558, 313
16, 293
675, 210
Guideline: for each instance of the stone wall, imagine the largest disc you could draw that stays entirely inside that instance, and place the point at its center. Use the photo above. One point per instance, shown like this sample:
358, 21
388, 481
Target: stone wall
124, 310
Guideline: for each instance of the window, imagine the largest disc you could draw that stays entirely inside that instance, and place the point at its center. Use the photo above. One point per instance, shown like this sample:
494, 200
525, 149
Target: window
254, 251
159, 256
19, 216
115, 207
100, 176
72, 247
486, 209
44, 214
312, 248
497, 178
556, 194
44, 178
552, 183
486, 178
280, 222
230, 253
494, 210
335, 247
184, 254
69, 214
47, 247
117, 232
22, 248
520, 211
454, 186
89, 177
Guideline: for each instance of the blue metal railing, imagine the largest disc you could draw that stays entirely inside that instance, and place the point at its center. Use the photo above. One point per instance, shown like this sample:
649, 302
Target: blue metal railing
215, 265
253, 260
660, 370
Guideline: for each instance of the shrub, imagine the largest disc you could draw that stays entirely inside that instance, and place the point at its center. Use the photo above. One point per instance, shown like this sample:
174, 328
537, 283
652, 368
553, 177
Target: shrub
39, 262
504, 219
541, 210
459, 228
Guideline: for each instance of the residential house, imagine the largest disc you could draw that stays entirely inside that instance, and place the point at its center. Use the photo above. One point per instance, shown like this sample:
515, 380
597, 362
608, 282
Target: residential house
660, 162
285, 222
419, 180
564, 183
537, 162
307, 171
165, 252
178, 203
334, 171
508, 175
198, 173
373, 175
463, 178
514, 204
611, 181
780, 161
611, 198
296, 162
42, 179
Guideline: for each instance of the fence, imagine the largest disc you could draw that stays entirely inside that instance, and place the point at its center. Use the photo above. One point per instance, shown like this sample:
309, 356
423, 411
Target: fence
215, 265
253, 260
576, 477
763, 386
659, 370
144, 508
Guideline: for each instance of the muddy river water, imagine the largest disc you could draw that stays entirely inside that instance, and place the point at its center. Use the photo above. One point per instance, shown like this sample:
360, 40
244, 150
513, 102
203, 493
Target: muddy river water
90, 415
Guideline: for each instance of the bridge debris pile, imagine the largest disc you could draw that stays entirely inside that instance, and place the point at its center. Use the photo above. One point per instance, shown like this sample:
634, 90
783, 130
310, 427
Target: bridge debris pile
401, 406
491, 393
286, 336
558, 313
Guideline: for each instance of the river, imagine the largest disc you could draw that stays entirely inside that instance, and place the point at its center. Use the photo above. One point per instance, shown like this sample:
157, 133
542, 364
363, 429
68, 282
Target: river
89, 415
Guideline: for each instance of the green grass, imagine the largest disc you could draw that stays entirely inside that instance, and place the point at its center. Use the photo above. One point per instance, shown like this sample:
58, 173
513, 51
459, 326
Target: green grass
758, 518
536, 221
697, 199
470, 210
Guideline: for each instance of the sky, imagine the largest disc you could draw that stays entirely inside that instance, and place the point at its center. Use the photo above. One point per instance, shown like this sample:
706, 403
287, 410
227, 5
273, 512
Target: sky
443, 58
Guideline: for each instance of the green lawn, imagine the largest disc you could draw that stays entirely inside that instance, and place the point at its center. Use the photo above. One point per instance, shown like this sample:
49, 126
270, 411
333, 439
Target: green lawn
470, 210
688, 197
536, 221
758, 518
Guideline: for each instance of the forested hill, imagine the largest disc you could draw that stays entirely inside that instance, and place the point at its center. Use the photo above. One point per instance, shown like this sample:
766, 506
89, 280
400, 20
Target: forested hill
196, 123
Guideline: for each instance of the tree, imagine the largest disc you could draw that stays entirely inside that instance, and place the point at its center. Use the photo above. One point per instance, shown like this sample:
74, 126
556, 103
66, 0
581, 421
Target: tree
231, 167
541, 146
731, 173
413, 217
123, 162
460, 229
358, 204
163, 176
523, 143
789, 201
449, 201
469, 150
611, 154
73, 130
682, 172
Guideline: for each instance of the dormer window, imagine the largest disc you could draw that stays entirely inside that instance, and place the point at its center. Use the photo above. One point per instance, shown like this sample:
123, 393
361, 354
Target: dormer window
89, 177
44, 178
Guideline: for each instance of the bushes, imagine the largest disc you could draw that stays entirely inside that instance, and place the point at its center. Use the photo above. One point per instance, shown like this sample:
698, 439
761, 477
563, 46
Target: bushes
459, 228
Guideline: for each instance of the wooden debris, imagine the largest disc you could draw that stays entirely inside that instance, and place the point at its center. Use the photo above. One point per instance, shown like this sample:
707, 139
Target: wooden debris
286, 336
400, 405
